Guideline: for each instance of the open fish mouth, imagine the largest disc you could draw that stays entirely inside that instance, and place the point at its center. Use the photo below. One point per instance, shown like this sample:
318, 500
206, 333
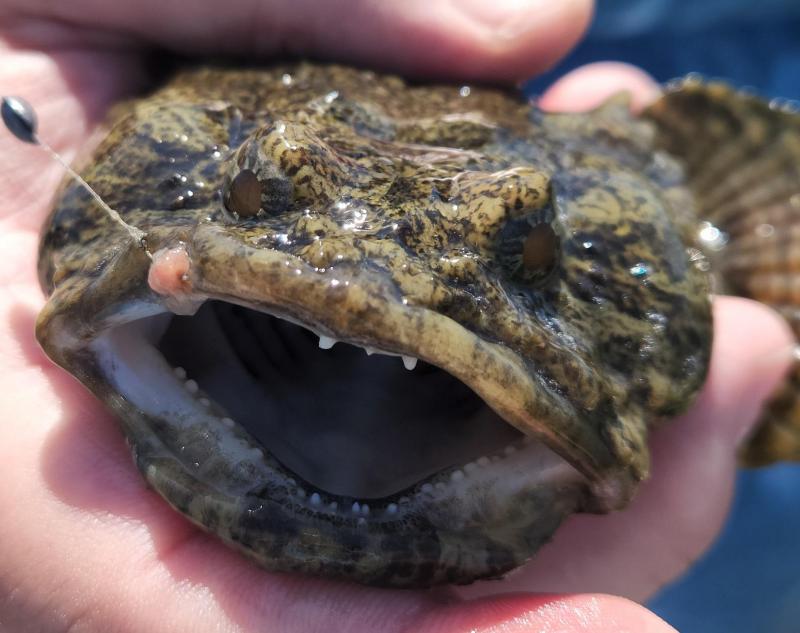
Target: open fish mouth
362, 459
360, 430
349, 421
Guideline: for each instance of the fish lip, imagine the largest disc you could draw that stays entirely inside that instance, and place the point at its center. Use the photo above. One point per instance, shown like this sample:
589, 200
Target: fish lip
364, 304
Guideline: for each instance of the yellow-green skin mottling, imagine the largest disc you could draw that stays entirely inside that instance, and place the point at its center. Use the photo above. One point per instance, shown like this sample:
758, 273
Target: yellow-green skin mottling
416, 201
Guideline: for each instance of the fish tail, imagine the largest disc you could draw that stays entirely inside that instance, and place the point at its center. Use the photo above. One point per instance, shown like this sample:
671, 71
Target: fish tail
742, 160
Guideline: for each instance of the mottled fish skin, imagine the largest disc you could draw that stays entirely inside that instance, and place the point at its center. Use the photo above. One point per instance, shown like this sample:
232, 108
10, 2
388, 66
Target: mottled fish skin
417, 201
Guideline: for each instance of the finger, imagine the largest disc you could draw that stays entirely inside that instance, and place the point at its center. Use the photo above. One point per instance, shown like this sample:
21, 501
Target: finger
526, 614
753, 350
471, 39
588, 86
679, 510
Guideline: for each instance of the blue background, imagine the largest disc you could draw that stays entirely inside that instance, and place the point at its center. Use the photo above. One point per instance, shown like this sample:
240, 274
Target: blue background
750, 580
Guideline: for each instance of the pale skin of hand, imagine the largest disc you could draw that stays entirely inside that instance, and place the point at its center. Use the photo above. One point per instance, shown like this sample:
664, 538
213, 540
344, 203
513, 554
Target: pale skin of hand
85, 546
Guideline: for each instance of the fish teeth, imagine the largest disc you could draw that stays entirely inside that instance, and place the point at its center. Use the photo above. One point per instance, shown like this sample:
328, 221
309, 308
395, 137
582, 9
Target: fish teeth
409, 362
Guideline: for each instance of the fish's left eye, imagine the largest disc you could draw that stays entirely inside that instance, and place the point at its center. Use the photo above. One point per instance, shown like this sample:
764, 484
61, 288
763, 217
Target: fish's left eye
529, 247
540, 248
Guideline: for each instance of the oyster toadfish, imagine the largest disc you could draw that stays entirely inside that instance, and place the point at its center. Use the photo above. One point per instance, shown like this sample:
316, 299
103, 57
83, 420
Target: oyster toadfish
528, 288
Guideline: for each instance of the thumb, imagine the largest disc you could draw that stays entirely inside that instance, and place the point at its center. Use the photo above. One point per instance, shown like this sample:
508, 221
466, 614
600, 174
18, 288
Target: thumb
474, 39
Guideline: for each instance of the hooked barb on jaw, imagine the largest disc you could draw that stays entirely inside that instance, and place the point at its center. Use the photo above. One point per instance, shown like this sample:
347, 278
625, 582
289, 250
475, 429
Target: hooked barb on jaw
20, 119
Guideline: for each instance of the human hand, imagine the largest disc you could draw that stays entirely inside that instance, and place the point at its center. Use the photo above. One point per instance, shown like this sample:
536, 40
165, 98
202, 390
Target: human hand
85, 546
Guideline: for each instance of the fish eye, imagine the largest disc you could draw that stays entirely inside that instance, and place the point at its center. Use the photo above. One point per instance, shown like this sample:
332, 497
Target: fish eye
243, 196
250, 192
528, 247
539, 249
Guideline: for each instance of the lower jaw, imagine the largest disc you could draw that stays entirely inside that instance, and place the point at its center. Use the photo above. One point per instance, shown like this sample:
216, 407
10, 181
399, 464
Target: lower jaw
476, 520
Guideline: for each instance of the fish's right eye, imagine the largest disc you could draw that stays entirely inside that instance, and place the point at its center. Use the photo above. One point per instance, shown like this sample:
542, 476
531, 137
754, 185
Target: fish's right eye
243, 196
